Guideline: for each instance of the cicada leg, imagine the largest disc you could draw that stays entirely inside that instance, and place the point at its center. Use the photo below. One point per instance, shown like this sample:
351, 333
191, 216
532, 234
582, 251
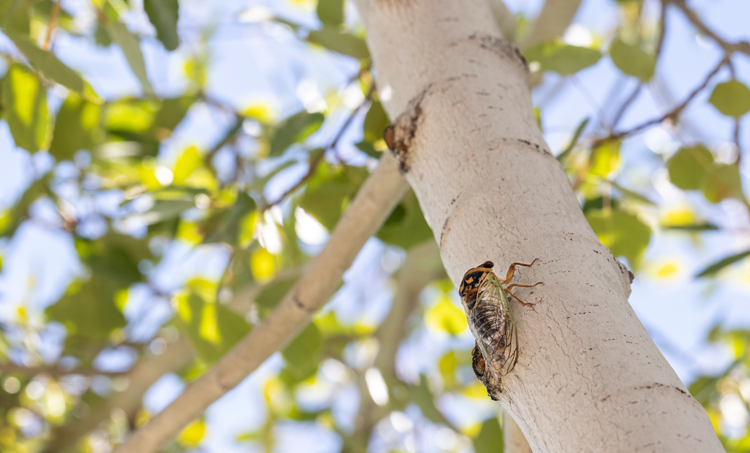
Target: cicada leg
528, 304
512, 270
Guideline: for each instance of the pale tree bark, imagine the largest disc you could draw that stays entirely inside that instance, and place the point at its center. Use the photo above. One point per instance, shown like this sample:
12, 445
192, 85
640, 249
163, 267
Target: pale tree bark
589, 378
552, 21
513, 438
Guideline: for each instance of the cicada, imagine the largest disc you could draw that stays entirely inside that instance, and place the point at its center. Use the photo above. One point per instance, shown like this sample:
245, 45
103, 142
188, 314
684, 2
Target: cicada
485, 299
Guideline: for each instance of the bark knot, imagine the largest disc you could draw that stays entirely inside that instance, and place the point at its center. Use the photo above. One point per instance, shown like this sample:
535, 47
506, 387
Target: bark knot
402, 134
503, 49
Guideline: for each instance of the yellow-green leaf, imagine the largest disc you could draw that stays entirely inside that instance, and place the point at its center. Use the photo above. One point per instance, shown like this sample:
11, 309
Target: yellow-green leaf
131, 48
340, 42
331, 12
186, 164
624, 233
689, 167
191, 436
632, 60
723, 181
46, 62
560, 57
163, 15
447, 317
24, 102
731, 98
605, 159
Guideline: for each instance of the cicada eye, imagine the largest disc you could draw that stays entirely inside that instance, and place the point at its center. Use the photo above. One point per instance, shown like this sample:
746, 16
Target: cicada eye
488, 264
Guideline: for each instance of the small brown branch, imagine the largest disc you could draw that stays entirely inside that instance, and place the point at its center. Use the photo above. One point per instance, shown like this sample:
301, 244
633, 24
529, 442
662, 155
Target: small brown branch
729, 48
737, 127
51, 26
671, 115
317, 158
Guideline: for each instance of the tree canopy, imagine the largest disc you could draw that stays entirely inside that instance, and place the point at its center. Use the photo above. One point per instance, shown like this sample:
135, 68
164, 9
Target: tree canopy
169, 169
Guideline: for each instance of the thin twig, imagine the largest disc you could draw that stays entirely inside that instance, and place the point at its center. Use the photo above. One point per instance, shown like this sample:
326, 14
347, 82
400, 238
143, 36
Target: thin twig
671, 115
51, 25
729, 48
321, 154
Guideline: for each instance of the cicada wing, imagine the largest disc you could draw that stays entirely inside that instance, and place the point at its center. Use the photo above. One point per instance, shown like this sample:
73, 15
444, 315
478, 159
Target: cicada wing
501, 341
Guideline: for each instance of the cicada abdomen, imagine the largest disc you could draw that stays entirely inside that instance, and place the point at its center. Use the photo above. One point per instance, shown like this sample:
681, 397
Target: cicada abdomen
490, 317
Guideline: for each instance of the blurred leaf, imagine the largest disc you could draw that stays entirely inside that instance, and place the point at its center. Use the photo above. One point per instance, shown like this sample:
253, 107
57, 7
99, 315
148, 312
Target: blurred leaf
329, 192
375, 122
632, 60
192, 434
622, 232
731, 98
46, 62
447, 367
446, 316
600, 203
627, 193
24, 106
163, 210
714, 268
101, 36
304, 352
692, 227
406, 226
163, 14
331, 12
723, 181
424, 398
689, 167
131, 48
573, 139
189, 161
367, 148
262, 265
295, 129
490, 437
88, 308
170, 115
130, 118
703, 388
561, 58
18, 213
340, 42
230, 228
605, 159
274, 292
14, 15
212, 328
76, 127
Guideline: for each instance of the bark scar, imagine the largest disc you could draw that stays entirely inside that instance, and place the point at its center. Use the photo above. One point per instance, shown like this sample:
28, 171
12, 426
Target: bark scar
503, 49
401, 136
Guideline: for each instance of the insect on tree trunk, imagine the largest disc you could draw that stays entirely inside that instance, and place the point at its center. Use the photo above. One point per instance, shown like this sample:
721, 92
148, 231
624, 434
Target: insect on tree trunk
588, 377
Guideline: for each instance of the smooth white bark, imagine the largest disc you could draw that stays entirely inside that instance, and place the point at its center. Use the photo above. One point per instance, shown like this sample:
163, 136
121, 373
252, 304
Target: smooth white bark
589, 378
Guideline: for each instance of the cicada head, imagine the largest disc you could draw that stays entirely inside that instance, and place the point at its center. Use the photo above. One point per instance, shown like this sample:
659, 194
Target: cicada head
471, 281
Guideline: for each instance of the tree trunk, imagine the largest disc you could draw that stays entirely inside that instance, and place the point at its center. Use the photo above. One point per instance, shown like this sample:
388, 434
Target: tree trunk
588, 378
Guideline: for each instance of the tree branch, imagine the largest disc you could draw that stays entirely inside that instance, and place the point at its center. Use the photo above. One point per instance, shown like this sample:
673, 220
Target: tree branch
729, 48
53, 371
504, 18
552, 21
374, 201
142, 376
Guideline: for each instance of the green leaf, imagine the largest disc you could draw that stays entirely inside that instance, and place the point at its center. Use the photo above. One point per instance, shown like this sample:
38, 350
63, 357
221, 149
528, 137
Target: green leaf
694, 227
170, 114
304, 352
163, 15
340, 42
88, 309
367, 148
605, 159
731, 98
46, 62
490, 437
424, 398
561, 58
229, 230
272, 293
689, 167
211, 327
295, 129
375, 122
331, 12
621, 231
406, 226
131, 48
163, 210
14, 15
573, 140
703, 388
130, 118
627, 193
632, 60
76, 127
714, 268
24, 102
189, 161
724, 181
329, 192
